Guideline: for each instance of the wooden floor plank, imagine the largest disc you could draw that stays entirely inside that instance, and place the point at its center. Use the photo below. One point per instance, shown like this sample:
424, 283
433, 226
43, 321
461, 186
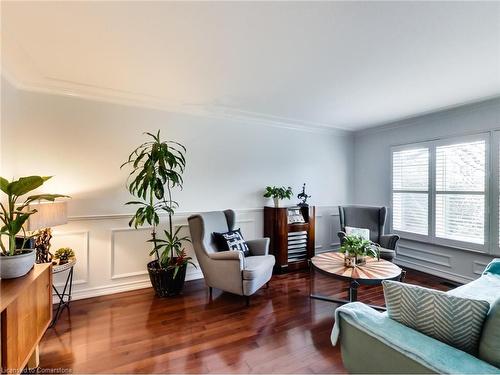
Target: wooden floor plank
282, 331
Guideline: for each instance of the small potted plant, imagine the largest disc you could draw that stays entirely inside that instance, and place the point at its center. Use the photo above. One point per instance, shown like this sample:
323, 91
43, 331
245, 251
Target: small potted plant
356, 249
157, 168
17, 261
278, 193
64, 254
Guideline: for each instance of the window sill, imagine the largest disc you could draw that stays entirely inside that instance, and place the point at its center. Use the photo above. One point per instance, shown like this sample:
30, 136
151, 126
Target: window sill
430, 241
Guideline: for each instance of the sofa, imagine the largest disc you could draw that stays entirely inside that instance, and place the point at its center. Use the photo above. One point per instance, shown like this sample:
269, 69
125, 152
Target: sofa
371, 342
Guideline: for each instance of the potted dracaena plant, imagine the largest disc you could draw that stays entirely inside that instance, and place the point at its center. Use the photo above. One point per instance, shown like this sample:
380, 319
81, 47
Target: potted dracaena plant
16, 261
278, 193
157, 168
355, 249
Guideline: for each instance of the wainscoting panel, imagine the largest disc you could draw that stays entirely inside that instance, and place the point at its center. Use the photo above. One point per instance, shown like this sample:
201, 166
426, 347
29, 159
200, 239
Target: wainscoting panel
111, 257
478, 267
79, 242
428, 256
454, 264
327, 227
129, 252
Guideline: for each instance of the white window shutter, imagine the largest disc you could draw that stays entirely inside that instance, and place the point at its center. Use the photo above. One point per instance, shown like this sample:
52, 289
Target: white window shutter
410, 187
460, 191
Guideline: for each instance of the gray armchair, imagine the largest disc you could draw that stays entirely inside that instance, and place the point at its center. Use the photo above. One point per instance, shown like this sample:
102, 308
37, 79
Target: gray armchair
229, 270
372, 218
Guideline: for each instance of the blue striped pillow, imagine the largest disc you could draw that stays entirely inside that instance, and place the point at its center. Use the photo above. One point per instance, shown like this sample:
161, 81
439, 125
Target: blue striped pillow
453, 320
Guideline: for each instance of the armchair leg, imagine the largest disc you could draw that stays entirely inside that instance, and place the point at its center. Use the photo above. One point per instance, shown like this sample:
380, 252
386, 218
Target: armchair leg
210, 289
247, 300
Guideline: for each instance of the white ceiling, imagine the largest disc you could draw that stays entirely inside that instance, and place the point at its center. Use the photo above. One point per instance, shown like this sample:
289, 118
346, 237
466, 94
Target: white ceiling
347, 65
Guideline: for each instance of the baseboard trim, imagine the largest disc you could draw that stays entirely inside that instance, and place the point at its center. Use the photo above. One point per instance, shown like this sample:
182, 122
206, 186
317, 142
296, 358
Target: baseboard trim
119, 288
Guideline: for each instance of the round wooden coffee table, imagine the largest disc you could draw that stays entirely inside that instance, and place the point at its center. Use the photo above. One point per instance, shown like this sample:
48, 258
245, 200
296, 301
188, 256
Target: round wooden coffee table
373, 272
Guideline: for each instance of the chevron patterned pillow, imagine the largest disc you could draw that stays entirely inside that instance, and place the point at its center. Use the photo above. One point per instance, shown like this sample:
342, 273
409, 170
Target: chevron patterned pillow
453, 320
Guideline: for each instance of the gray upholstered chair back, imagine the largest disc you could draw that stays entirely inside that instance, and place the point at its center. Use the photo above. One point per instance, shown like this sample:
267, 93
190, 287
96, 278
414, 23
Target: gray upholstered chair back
372, 218
204, 224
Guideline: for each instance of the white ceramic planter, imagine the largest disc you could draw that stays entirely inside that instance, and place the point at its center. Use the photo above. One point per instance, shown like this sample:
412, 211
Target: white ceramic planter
17, 265
276, 202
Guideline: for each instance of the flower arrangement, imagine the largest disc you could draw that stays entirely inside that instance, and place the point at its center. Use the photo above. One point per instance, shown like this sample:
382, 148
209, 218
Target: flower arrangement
356, 249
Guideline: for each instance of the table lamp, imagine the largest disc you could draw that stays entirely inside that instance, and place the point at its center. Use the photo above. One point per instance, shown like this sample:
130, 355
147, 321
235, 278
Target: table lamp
48, 215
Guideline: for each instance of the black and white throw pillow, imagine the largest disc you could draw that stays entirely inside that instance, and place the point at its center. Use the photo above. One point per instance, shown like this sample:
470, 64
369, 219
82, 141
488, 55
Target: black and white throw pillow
232, 240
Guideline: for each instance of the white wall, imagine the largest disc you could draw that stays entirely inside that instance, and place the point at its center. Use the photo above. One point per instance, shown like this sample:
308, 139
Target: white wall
83, 142
372, 178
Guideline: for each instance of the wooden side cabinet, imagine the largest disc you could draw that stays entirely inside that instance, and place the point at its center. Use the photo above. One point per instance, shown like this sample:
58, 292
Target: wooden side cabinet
26, 312
291, 244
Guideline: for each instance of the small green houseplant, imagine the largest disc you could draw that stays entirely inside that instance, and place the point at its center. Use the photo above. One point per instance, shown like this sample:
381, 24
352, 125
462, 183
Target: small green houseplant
16, 261
356, 249
64, 254
157, 168
278, 193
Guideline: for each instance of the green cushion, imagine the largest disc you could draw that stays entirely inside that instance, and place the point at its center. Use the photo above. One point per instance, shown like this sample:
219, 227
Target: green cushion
489, 345
453, 320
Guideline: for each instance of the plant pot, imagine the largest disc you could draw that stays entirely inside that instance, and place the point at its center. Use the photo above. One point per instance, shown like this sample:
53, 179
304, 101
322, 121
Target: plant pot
360, 260
276, 202
163, 280
354, 260
17, 265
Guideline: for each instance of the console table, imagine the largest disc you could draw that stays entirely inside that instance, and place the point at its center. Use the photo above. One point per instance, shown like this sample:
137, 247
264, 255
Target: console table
26, 312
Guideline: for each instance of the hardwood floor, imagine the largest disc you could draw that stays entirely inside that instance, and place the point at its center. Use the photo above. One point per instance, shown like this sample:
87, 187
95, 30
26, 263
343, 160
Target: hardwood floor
282, 331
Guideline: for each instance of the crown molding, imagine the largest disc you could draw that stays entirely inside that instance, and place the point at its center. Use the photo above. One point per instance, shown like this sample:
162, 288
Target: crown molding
442, 112
53, 86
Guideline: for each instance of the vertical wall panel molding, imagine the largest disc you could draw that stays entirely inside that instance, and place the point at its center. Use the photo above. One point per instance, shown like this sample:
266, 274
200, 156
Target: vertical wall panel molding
78, 277
114, 275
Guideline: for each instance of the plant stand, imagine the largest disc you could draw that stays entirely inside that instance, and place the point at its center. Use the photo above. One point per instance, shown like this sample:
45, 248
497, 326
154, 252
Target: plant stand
65, 296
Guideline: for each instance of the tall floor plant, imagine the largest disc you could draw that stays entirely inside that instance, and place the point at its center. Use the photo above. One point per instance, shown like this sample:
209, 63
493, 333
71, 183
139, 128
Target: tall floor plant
157, 168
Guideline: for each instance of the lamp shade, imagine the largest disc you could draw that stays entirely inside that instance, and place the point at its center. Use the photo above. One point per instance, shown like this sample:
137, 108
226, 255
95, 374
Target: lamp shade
48, 215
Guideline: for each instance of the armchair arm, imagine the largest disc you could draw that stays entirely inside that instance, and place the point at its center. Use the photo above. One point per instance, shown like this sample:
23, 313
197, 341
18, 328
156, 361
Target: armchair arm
389, 241
493, 267
223, 270
228, 256
259, 246
341, 236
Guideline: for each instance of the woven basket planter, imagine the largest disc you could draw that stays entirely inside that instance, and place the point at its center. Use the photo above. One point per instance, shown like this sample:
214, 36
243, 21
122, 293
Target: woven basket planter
163, 280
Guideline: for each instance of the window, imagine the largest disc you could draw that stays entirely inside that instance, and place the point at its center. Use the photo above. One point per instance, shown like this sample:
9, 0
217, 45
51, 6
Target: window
439, 191
410, 184
460, 191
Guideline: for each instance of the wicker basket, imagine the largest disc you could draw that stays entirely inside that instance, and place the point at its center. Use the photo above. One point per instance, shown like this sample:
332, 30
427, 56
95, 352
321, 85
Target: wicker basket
163, 280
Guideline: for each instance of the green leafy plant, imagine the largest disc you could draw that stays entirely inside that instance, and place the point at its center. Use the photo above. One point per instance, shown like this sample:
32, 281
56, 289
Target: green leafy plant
353, 245
64, 253
173, 244
157, 168
14, 215
278, 192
